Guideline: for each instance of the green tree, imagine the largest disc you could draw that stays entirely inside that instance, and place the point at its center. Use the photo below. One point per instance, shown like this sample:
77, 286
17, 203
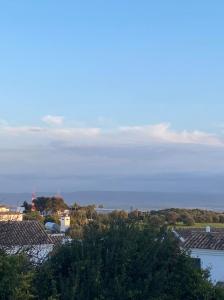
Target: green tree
172, 217
16, 278
27, 207
52, 218
33, 216
188, 220
50, 204
125, 261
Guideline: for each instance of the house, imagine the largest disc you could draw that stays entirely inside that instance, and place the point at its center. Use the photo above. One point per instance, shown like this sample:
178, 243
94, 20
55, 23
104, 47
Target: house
207, 245
4, 208
26, 236
9, 215
64, 226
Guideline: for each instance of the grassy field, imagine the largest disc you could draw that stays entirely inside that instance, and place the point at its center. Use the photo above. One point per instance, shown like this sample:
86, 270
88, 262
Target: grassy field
201, 225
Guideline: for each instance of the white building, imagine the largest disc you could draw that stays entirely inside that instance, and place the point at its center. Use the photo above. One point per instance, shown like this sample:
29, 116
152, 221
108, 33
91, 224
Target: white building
208, 246
3, 208
65, 223
9, 215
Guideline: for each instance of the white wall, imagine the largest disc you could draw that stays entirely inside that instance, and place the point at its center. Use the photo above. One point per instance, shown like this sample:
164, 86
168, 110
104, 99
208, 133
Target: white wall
37, 253
65, 223
212, 259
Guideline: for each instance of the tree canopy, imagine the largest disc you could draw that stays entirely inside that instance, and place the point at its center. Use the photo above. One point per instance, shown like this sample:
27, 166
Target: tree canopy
125, 261
50, 204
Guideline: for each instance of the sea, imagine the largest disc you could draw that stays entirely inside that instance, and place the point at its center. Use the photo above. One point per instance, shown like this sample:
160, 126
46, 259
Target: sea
128, 199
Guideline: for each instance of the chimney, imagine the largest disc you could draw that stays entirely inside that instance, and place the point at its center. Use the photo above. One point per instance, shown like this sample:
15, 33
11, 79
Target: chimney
208, 229
65, 223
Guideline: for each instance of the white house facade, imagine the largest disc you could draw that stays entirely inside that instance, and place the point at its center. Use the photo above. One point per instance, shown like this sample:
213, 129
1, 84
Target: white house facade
212, 259
208, 246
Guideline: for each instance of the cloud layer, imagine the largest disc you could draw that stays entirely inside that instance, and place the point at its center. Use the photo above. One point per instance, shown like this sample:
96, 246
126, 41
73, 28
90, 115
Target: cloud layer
137, 135
53, 156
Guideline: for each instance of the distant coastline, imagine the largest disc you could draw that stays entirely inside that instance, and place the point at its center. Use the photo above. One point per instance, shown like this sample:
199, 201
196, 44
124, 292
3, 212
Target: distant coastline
129, 199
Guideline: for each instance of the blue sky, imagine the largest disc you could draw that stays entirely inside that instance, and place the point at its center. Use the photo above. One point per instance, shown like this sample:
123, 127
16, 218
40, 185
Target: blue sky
153, 68
133, 62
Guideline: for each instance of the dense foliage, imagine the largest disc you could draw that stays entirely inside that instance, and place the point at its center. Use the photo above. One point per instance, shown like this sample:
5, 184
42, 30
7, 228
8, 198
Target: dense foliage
81, 215
50, 204
33, 215
189, 216
16, 278
124, 261
186, 217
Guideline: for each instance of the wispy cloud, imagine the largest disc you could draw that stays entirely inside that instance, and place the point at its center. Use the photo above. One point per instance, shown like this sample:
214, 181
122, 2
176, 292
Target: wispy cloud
53, 120
163, 133
137, 135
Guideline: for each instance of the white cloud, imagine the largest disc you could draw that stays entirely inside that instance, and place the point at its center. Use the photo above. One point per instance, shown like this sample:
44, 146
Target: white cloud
136, 135
20, 130
119, 151
53, 120
163, 133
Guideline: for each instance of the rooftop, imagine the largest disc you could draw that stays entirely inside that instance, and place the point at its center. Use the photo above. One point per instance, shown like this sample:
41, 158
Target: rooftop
20, 233
198, 238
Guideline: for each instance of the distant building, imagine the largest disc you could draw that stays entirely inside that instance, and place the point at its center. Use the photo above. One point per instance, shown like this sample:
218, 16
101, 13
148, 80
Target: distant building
207, 245
11, 216
65, 221
105, 211
26, 236
3, 208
